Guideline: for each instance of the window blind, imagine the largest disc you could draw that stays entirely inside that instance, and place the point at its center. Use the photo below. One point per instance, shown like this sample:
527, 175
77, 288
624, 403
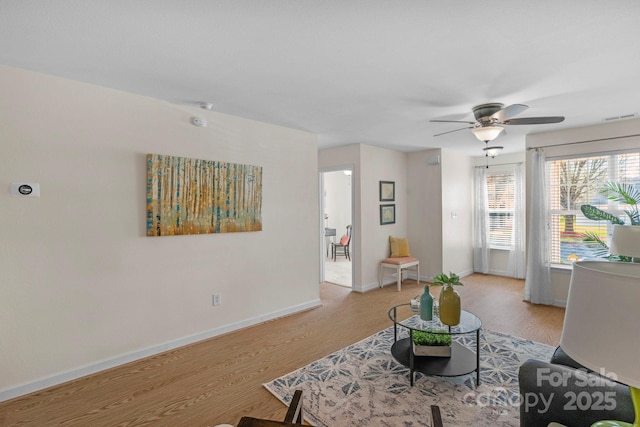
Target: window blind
578, 181
501, 201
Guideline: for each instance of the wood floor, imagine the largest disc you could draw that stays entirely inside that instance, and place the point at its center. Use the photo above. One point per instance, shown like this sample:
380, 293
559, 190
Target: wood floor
220, 380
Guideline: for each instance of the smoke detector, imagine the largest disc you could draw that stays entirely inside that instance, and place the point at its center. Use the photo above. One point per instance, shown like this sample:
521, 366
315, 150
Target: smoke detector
198, 121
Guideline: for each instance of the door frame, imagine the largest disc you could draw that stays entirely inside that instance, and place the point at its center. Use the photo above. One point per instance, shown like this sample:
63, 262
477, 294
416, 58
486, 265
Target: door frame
354, 254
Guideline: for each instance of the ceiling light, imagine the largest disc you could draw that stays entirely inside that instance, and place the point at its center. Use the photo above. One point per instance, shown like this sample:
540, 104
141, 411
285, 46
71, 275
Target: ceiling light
492, 151
487, 133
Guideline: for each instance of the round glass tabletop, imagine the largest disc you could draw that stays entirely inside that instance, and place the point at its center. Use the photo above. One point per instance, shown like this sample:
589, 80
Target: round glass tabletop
403, 315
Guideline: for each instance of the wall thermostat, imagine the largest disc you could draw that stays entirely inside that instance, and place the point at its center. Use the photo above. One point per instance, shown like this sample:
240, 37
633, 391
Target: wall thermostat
25, 189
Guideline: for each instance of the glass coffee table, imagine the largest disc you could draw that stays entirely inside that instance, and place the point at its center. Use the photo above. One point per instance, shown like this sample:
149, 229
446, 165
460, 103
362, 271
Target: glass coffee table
462, 361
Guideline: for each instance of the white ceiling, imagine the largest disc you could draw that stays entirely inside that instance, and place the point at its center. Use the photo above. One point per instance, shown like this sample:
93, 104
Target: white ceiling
351, 71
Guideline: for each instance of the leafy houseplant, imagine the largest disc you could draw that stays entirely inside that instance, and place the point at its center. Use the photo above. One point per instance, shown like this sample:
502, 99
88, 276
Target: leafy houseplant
449, 299
442, 279
621, 193
432, 342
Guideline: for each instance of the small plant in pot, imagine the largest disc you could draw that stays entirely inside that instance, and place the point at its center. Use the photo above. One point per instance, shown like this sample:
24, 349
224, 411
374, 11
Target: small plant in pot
449, 300
451, 280
432, 342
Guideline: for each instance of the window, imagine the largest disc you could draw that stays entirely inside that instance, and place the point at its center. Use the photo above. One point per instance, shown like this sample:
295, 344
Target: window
573, 182
500, 207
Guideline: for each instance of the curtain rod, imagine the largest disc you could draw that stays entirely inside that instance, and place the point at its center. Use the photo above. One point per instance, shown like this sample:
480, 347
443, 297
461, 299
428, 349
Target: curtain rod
499, 164
583, 142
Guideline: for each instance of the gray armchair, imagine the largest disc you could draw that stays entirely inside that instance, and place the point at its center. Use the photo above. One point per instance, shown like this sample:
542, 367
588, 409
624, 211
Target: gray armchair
567, 393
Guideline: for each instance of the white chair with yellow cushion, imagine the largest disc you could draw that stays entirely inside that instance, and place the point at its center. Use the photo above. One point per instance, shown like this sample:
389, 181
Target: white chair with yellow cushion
400, 260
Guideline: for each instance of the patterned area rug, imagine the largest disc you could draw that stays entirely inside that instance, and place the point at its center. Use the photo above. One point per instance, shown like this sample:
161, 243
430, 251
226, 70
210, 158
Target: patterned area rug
363, 385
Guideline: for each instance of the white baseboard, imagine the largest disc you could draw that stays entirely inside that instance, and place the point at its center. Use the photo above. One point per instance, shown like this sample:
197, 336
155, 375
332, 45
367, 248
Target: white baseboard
466, 273
92, 368
425, 278
391, 281
369, 287
498, 273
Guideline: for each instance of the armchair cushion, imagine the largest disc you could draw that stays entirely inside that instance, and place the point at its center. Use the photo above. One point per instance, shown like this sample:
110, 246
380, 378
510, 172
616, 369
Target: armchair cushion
561, 358
569, 396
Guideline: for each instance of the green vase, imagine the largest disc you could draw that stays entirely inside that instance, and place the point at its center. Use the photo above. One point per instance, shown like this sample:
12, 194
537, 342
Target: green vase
426, 305
449, 306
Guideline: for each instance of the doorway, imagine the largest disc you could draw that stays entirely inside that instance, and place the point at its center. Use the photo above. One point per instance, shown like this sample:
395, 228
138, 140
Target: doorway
336, 212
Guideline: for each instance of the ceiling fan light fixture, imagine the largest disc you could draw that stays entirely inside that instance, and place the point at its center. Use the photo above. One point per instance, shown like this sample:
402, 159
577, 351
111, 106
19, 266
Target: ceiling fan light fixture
492, 151
487, 133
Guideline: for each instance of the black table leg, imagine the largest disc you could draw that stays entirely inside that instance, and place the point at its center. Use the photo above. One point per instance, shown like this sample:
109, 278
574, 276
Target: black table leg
478, 357
411, 356
395, 326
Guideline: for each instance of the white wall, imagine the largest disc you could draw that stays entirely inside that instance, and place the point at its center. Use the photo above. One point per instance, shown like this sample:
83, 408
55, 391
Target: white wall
380, 164
442, 243
83, 288
457, 213
620, 135
425, 210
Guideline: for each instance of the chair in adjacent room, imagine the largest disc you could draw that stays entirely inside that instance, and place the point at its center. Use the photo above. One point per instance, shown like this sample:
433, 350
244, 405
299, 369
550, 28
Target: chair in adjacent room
329, 236
400, 261
342, 245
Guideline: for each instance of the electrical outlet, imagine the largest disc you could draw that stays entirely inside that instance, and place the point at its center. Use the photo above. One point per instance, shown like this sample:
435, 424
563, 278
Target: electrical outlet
217, 299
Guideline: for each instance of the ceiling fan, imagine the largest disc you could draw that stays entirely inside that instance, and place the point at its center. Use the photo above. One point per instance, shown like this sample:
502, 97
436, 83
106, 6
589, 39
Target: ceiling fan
490, 119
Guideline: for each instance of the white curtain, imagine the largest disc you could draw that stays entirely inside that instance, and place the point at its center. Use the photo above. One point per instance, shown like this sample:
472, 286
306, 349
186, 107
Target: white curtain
517, 253
481, 223
537, 287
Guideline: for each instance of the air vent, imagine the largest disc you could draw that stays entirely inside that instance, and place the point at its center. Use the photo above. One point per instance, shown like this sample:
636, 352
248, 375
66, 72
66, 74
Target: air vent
622, 117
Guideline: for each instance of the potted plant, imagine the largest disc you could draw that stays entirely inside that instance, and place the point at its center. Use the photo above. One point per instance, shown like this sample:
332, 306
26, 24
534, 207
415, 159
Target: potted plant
432, 342
452, 279
449, 299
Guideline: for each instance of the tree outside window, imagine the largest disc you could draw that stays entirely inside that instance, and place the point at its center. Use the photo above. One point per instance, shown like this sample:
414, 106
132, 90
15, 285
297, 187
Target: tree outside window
579, 181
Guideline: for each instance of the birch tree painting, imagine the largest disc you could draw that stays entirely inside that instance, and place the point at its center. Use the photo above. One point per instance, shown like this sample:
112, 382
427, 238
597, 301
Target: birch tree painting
192, 196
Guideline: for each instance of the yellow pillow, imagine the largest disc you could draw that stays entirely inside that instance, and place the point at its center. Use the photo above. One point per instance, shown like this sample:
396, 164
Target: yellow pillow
399, 247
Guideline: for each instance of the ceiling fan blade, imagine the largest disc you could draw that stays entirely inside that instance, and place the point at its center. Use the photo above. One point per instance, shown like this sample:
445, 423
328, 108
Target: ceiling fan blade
534, 120
452, 121
510, 111
455, 130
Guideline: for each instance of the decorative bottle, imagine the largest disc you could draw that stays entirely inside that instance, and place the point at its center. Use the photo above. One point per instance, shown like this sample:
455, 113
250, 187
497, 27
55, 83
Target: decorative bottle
426, 305
449, 306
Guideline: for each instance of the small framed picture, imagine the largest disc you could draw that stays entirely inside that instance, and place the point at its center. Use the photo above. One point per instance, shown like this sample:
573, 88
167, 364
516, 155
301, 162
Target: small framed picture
387, 191
387, 214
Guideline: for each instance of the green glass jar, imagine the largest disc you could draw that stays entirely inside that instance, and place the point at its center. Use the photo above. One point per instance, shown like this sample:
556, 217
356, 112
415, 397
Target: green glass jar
449, 306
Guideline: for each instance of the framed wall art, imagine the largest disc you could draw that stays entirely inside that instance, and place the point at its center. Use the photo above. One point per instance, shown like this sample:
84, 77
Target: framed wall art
193, 196
387, 214
387, 191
